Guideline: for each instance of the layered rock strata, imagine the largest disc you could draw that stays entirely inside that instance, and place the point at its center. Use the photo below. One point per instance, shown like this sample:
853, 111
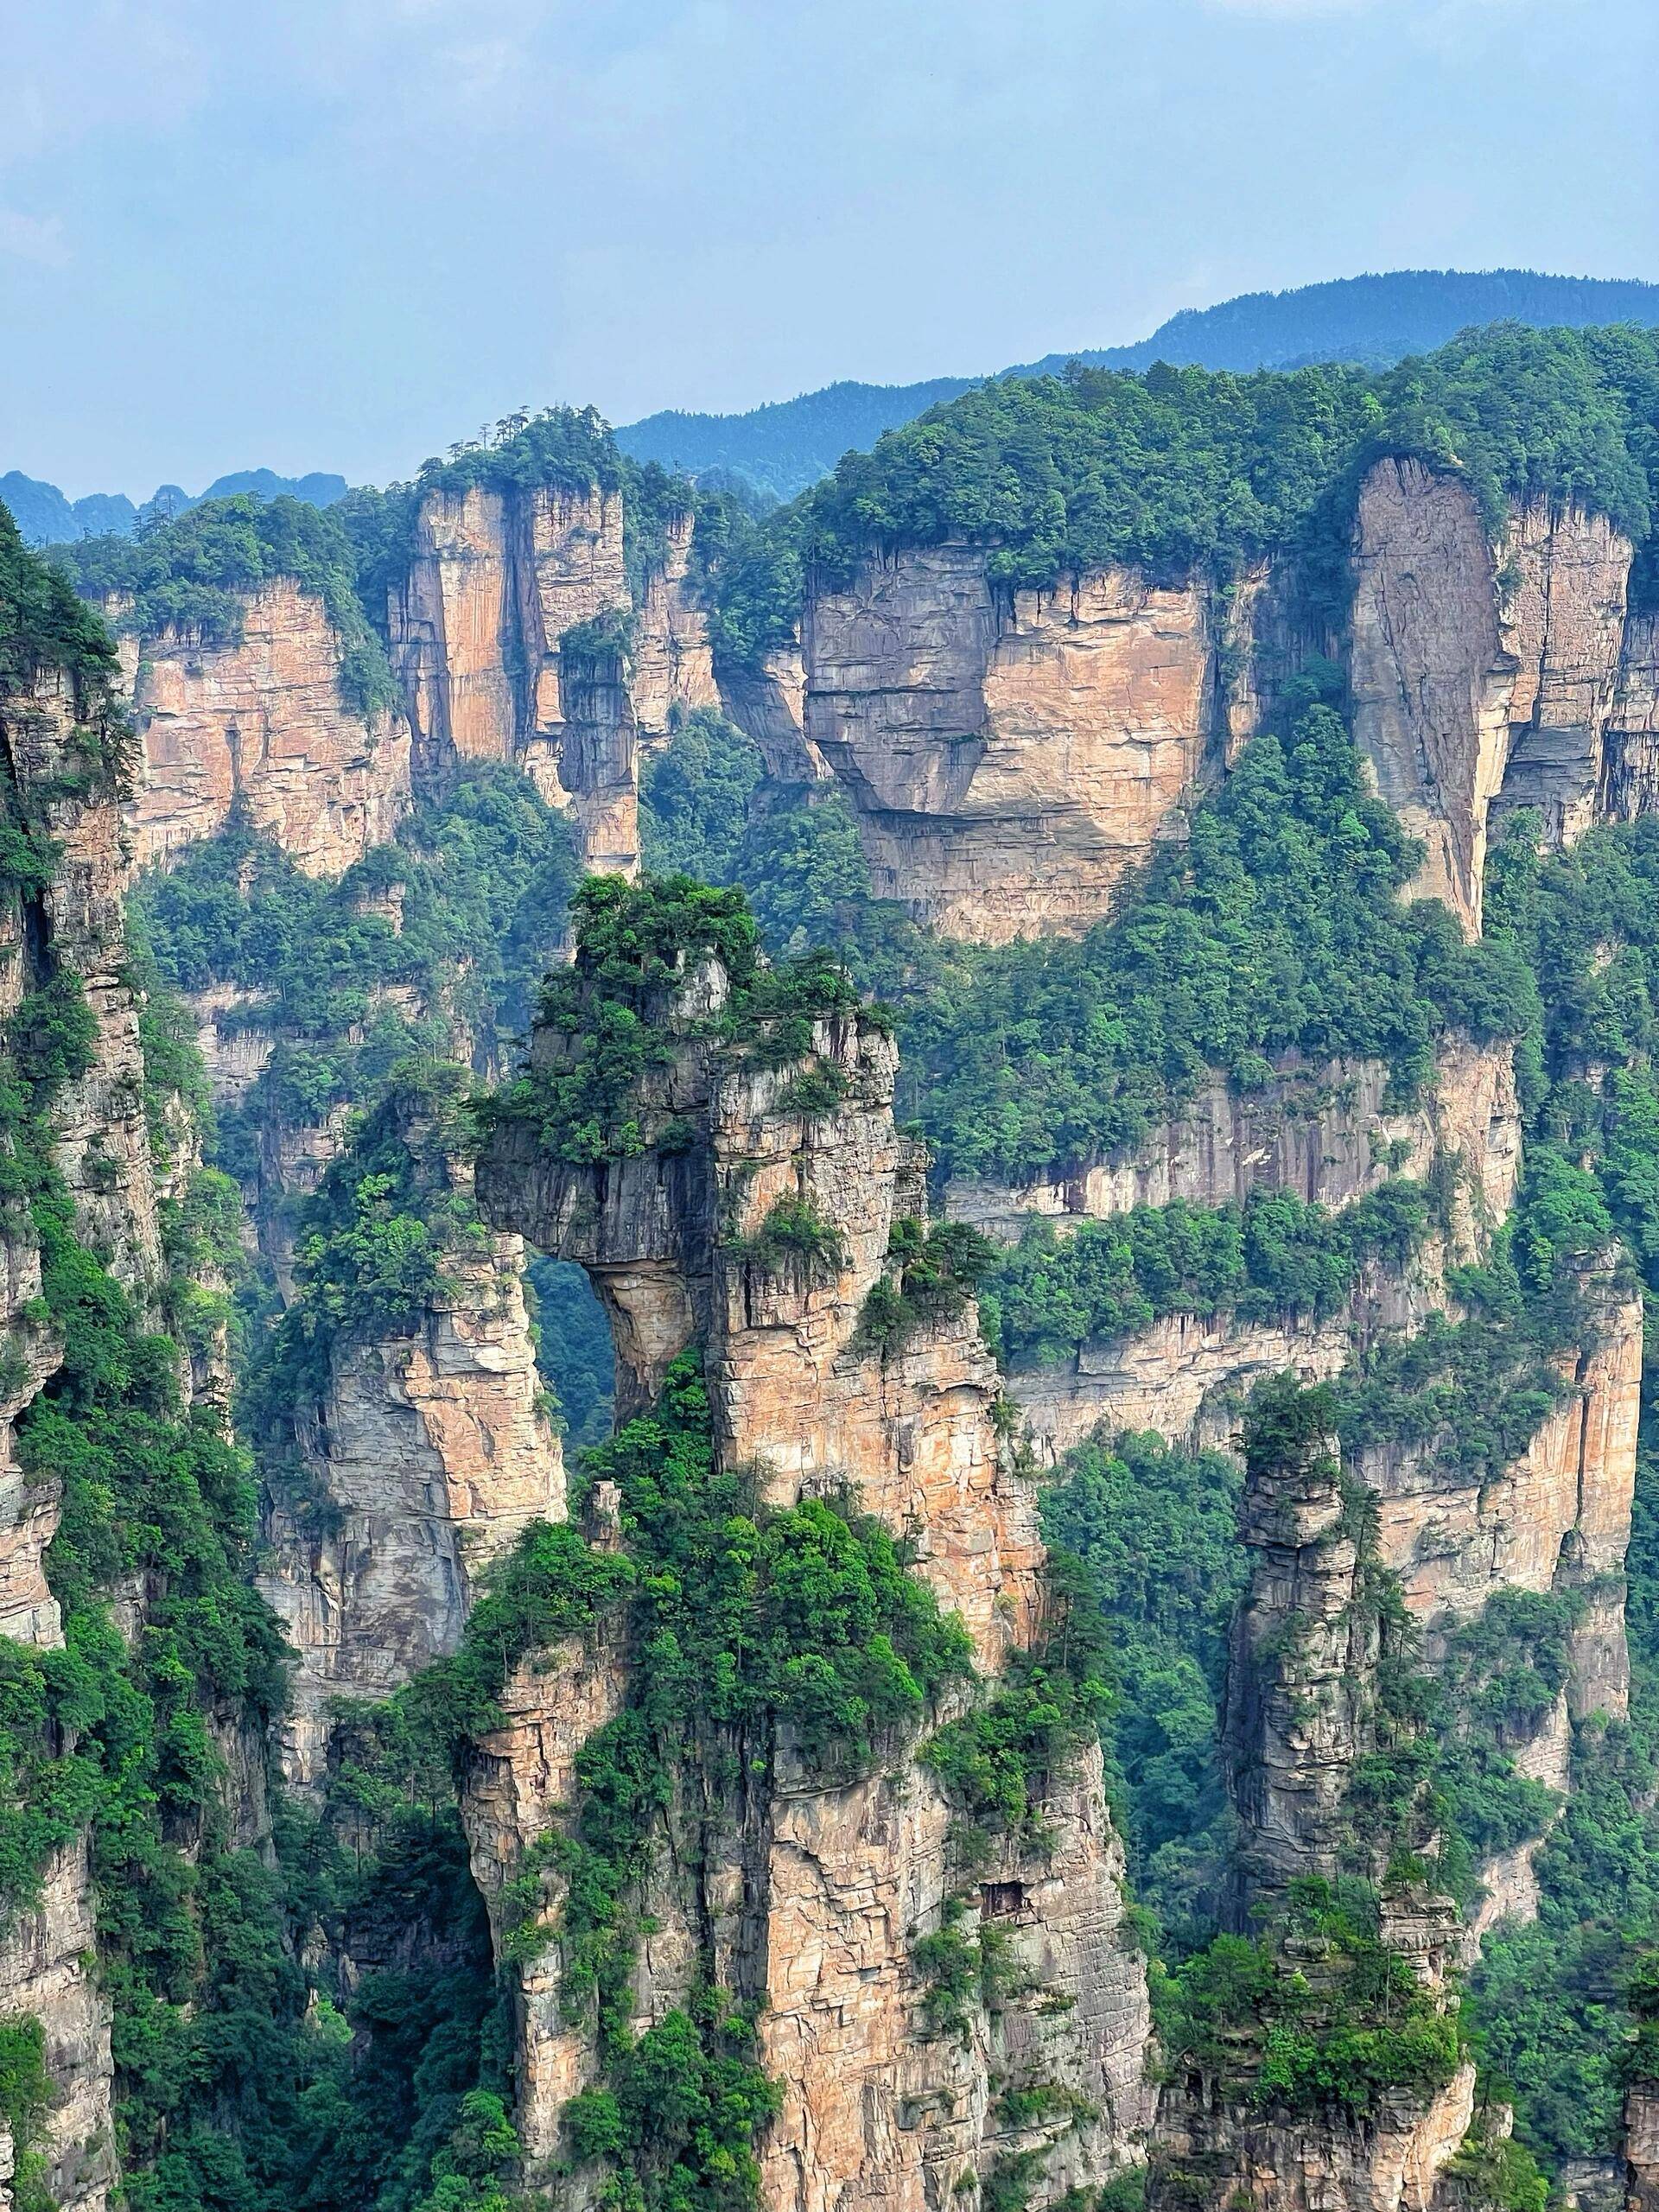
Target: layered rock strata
1009, 759
498, 581
425, 1456
1010, 755
1303, 1711
259, 723
59, 749
1327, 1133
819, 1886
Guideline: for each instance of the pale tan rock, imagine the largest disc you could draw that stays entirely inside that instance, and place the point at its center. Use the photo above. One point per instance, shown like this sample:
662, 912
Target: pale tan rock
1385, 2161
1008, 759
46, 1970
672, 665
808, 1890
768, 703
431, 1453
519, 1785
873, 2111
1325, 1132
1558, 1518
260, 721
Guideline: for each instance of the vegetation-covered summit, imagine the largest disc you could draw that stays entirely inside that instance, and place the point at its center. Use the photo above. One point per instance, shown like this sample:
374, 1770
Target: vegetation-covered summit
1184, 469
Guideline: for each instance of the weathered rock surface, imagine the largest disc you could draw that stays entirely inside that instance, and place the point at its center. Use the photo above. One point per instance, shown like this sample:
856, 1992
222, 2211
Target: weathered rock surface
429, 1454
1010, 755
499, 580
47, 1971
668, 1242
1558, 1518
1009, 759
52, 735
808, 1891
1483, 673
260, 722
1210, 2156
1327, 1134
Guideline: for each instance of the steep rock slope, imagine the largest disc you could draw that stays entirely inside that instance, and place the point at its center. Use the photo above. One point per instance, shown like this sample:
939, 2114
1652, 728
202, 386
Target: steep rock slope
260, 723
422, 1446
1010, 754
813, 1904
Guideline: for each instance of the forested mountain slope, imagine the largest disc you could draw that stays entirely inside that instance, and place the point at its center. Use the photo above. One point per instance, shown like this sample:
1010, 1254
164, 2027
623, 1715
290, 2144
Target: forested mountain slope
825, 1364
788, 444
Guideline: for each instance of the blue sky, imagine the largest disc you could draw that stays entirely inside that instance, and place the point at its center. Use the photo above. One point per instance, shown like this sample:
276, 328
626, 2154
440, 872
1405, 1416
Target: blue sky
339, 234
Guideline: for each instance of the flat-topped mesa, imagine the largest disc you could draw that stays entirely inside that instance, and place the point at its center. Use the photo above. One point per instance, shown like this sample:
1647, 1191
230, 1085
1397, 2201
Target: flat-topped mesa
757, 1206
260, 721
426, 1451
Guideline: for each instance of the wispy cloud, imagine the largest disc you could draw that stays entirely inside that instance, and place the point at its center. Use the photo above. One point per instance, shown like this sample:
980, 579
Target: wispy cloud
33, 238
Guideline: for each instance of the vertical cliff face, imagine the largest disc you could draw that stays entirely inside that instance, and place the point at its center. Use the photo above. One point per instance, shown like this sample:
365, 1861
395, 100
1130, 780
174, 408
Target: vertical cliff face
673, 664
423, 1450
804, 1892
262, 721
1327, 1133
1008, 759
59, 738
1313, 1708
515, 637
1484, 674
1010, 755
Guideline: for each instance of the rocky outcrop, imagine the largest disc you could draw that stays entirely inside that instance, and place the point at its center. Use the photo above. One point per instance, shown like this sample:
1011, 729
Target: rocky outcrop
1010, 755
1212, 2156
1328, 1133
1009, 759
1557, 1519
1484, 675
804, 1892
61, 746
47, 1971
427, 1455
671, 1245
1187, 1378
515, 637
876, 2110
768, 702
260, 721
671, 663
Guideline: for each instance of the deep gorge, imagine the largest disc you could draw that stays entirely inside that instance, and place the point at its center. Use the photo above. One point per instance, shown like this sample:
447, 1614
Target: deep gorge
824, 1375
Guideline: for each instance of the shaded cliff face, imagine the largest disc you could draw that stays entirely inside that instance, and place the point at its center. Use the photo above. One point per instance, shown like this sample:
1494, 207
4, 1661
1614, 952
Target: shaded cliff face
427, 1455
805, 1892
55, 742
1484, 675
262, 722
1008, 760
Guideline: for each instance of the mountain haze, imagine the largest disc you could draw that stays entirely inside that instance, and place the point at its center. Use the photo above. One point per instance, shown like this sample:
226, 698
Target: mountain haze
788, 444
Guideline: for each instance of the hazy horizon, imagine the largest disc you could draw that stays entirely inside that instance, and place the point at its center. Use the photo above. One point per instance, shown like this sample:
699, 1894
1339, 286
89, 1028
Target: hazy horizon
341, 240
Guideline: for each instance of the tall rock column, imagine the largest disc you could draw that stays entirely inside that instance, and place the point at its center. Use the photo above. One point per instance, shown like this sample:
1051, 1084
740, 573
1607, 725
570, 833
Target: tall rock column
760, 1200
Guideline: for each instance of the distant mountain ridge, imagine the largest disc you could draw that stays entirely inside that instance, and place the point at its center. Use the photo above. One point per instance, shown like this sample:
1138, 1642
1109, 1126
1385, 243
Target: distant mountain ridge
785, 445
1372, 320
45, 517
